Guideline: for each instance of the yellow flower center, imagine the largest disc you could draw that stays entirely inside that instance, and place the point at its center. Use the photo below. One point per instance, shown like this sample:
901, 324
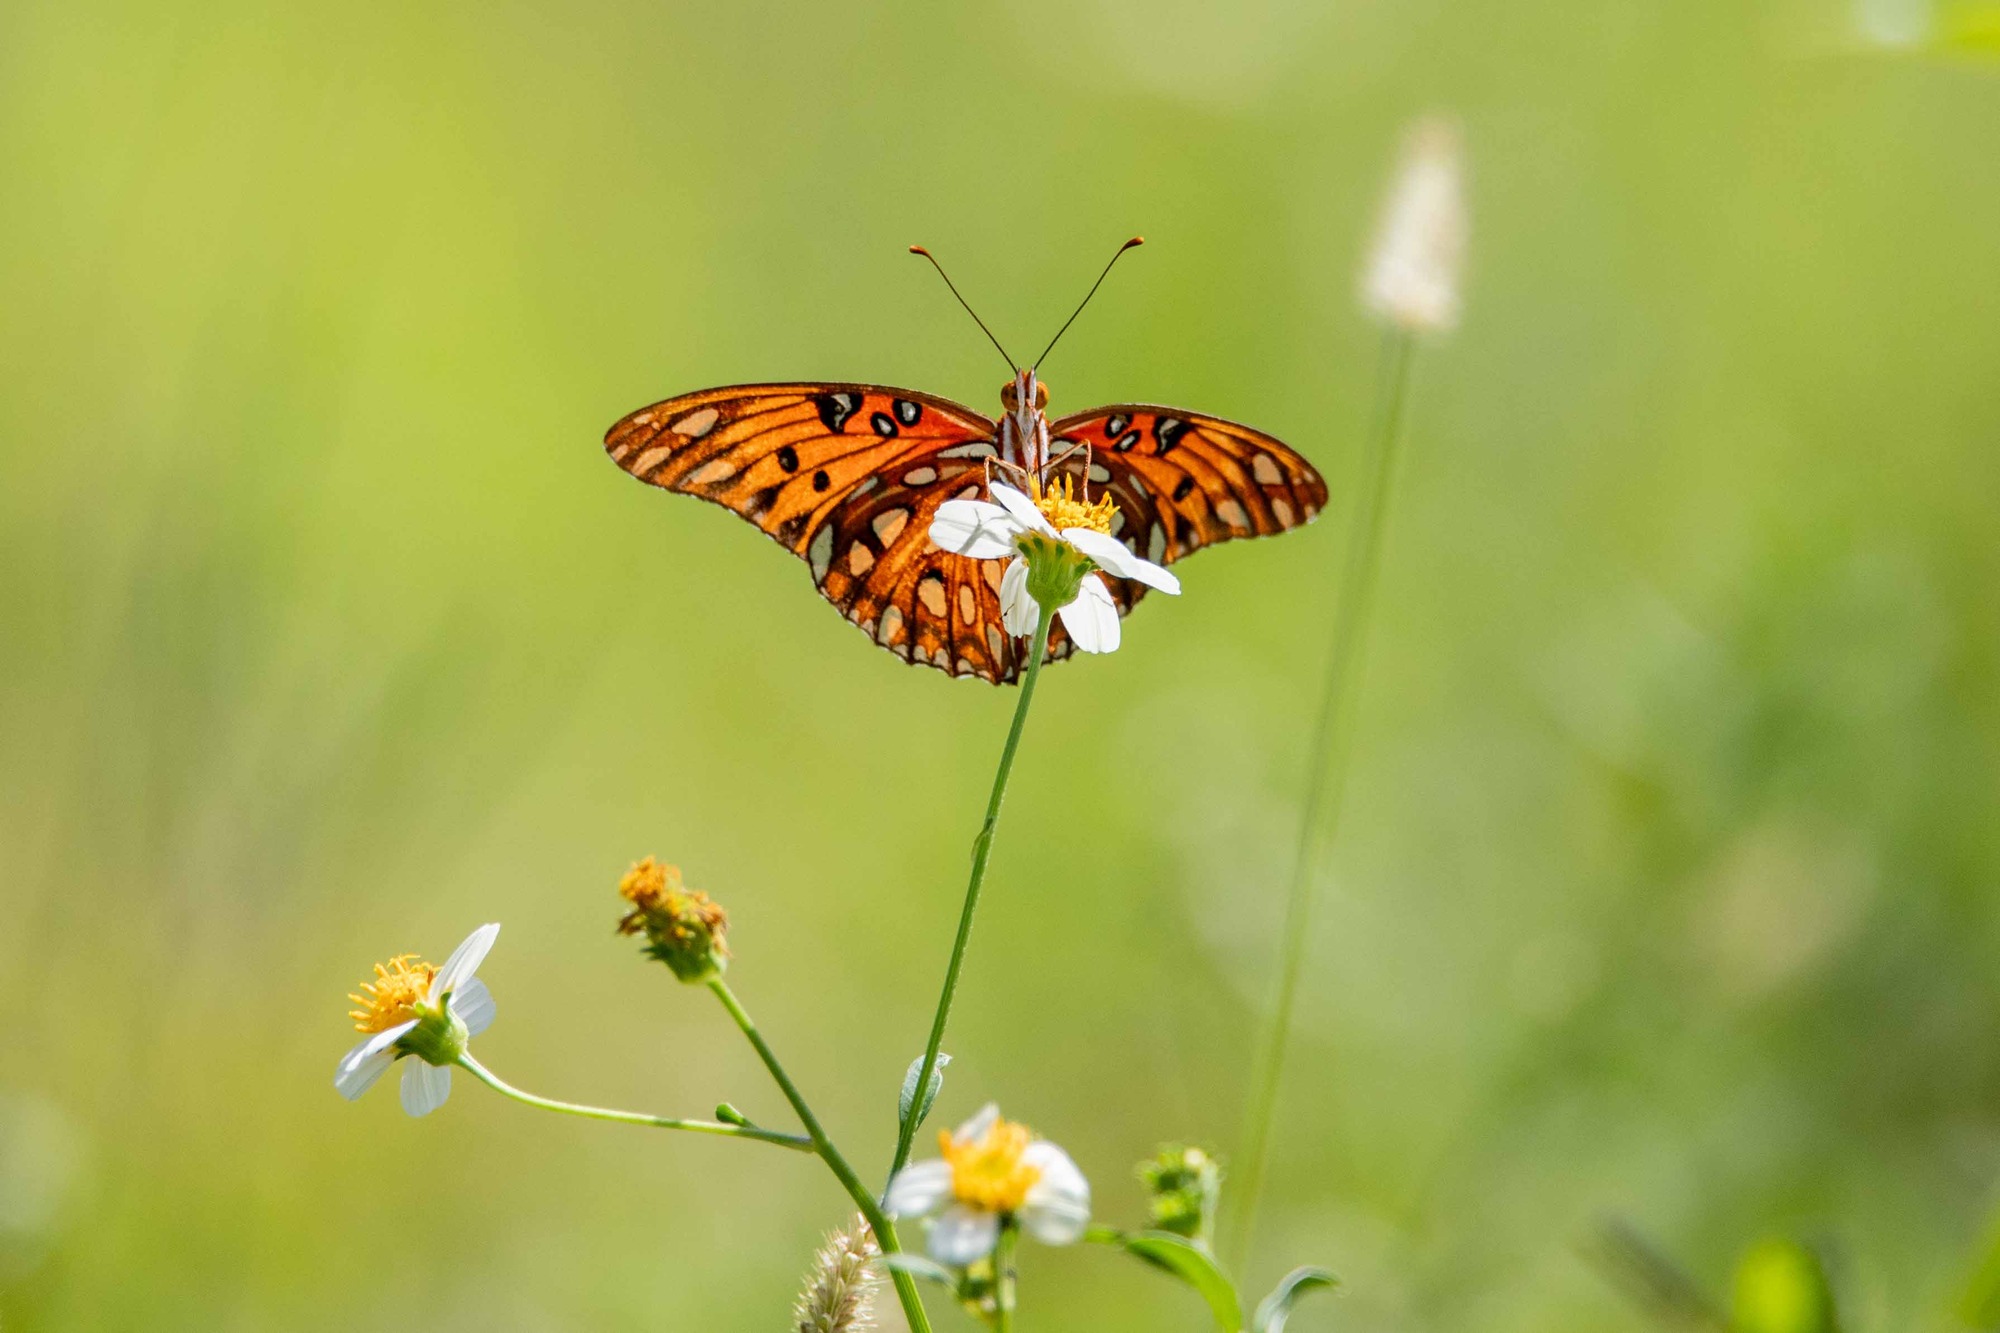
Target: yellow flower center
988, 1173
1062, 509
400, 985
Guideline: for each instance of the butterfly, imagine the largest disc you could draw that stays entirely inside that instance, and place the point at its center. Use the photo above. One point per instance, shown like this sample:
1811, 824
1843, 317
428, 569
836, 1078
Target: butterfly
848, 477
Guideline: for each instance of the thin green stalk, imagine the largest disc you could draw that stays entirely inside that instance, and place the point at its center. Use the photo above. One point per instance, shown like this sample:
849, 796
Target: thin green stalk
982, 847
493, 1081
1326, 780
1005, 1277
878, 1222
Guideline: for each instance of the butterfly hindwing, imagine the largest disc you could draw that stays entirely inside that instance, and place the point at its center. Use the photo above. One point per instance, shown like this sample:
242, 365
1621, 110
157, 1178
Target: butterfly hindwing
847, 477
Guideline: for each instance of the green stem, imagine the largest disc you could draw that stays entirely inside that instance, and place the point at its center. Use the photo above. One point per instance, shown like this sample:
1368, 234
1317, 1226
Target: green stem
1326, 779
1005, 1276
505, 1089
982, 847
884, 1229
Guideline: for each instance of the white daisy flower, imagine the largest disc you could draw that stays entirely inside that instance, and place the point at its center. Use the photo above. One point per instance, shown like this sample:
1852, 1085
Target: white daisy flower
417, 1008
1033, 531
992, 1171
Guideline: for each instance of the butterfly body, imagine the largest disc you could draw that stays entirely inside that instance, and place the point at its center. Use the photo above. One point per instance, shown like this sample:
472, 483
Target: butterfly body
849, 476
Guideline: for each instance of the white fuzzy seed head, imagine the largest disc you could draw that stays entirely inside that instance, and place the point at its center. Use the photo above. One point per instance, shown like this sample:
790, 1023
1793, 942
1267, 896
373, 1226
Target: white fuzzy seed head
839, 1295
1412, 276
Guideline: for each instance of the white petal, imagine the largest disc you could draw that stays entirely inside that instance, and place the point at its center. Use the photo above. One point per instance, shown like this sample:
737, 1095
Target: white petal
366, 1061
1058, 1205
1018, 612
353, 1079
918, 1189
1021, 507
961, 1235
473, 1004
975, 1129
464, 960
1092, 619
425, 1087
1113, 558
975, 528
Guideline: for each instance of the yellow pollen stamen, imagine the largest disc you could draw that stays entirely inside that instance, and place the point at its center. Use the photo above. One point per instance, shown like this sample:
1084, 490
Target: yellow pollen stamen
664, 907
988, 1173
400, 985
1061, 507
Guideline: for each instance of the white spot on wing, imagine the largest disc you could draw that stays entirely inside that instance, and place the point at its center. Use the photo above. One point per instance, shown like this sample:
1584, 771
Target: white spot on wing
820, 554
711, 472
859, 559
697, 424
1265, 470
889, 523
890, 627
1232, 513
1156, 543
920, 476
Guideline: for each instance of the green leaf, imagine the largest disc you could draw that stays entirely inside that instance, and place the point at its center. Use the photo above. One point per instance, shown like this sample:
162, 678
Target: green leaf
923, 1269
1186, 1260
910, 1088
1276, 1308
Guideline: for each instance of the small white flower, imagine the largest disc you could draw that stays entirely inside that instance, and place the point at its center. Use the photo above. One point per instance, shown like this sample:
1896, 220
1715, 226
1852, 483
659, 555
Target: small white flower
417, 1008
1412, 275
988, 531
993, 1170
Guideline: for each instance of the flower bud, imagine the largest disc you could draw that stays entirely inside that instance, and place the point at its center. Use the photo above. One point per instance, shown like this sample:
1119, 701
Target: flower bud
683, 927
1185, 1184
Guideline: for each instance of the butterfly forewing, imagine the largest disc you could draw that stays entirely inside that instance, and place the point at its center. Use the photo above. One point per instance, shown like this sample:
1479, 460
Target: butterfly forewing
1183, 481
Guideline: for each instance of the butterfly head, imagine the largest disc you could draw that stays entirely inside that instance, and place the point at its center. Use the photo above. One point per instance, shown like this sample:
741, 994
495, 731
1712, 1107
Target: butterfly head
1024, 431
1024, 387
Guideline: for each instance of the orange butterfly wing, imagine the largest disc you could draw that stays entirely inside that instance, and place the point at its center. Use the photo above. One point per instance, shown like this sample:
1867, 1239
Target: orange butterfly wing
1183, 481
847, 477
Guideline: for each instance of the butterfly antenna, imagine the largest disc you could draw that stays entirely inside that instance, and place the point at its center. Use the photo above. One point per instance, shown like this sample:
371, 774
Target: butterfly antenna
919, 250
1135, 241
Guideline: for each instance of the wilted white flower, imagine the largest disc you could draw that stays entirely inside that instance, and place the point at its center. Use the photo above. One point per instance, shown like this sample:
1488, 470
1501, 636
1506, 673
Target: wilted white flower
416, 1008
993, 1170
1412, 275
1046, 535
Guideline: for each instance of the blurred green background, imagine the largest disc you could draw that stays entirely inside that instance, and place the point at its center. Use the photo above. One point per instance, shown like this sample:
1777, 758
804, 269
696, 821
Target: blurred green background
1668, 880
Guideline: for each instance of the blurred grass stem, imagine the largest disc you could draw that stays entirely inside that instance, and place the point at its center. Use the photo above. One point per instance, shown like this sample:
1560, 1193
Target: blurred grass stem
493, 1081
1326, 779
1005, 1276
982, 847
878, 1222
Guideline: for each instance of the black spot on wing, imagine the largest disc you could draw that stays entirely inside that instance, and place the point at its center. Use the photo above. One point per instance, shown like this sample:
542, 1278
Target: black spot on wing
836, 408
909, 413
788, 458
821, 481
1168, 431
884, 424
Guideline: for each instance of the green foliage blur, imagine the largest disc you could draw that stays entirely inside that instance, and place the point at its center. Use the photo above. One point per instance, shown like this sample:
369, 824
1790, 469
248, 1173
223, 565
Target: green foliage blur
1667, 878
